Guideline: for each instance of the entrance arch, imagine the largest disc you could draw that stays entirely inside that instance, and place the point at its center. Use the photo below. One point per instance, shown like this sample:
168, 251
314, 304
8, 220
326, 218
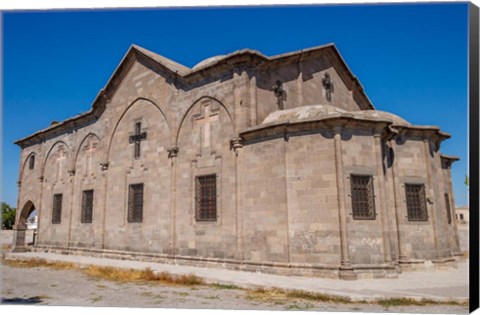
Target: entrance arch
23, 226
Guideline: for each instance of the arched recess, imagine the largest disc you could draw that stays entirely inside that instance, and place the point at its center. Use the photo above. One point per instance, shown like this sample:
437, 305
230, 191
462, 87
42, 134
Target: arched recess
25, 163
193, 105
126, 111
126, 167
91, 145
60, 142
87, 137
21, 226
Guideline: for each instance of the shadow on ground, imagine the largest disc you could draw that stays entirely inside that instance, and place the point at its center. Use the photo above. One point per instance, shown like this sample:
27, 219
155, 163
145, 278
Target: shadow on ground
20, 301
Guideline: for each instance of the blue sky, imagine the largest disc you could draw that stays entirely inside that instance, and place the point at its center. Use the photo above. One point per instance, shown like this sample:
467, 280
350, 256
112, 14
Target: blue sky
412, 59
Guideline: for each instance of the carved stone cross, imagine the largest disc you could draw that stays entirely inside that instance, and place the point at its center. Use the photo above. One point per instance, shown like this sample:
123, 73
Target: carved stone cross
205, 122
328, 86
89, 149
280, 94
61, 156
137, 138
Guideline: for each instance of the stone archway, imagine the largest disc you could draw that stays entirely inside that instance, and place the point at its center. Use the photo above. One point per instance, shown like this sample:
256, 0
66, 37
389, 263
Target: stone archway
21, 228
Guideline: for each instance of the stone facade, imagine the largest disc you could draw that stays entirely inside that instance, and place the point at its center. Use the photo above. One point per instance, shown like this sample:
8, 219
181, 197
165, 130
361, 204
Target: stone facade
282, 136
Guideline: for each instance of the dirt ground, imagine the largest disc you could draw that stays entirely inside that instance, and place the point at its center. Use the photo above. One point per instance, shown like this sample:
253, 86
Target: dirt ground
46, 286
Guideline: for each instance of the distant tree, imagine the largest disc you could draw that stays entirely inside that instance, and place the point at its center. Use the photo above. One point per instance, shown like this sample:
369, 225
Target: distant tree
8, 216
466, 181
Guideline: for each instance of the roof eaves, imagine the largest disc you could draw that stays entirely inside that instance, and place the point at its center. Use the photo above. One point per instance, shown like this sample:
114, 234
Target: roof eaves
450, 157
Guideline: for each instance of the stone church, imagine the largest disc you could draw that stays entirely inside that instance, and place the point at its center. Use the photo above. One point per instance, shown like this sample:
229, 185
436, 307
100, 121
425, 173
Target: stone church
276, 164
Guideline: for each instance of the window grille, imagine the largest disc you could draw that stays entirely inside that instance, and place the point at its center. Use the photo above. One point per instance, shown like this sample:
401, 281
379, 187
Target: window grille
206, 198
448, 209
135, 203
363, 204
31, 162
87, 206
57, 209
416, 202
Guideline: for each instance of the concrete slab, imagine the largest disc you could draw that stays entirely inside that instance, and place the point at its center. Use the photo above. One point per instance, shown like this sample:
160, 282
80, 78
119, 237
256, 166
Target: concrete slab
438, 285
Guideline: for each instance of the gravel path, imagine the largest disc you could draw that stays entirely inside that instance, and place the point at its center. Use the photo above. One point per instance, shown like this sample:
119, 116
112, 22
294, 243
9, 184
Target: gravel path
74, 288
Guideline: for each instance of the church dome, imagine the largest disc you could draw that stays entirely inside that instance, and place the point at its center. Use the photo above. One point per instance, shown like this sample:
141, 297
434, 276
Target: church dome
208, 62
378, 114
304, 113
318, 112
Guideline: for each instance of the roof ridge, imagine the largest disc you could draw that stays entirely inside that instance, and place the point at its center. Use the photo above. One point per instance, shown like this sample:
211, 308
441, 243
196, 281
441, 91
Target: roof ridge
184, 70
167, 62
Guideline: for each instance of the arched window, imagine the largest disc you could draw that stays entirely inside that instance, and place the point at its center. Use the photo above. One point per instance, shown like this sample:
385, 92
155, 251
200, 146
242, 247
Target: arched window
31, 162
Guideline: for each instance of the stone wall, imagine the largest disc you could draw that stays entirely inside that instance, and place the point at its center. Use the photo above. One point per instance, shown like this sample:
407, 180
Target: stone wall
312, 199
6, 237
463, 234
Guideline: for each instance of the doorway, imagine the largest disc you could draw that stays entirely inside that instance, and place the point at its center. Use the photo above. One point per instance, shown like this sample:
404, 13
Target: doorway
26, 228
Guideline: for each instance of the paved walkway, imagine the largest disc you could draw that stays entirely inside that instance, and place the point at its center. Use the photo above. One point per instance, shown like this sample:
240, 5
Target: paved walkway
445, 285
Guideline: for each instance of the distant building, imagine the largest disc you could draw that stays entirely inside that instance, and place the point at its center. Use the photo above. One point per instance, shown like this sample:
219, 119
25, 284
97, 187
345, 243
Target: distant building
462, 214
32, 222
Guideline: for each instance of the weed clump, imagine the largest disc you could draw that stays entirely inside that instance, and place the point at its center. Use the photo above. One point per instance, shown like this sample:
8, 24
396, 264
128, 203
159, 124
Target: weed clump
38, 262
224, 286
392, 302
146, 275
305, 295
279, 295
112, 273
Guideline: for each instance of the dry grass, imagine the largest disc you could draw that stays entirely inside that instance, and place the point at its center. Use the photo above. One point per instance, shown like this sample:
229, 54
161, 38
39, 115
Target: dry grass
224, 286
283, 296
422, 302
297, 294
279, 296
37, 262
95, 299
146, 275
111, 273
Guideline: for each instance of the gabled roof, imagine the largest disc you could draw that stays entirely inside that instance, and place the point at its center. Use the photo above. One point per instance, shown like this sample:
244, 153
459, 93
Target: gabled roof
226, 62
181, 72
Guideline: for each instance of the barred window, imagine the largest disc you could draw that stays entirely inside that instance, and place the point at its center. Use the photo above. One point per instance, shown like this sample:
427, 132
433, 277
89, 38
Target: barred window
87, 206
416, 202
206, 198
135, 203
31, 162
448, 209
363, 204
57, 209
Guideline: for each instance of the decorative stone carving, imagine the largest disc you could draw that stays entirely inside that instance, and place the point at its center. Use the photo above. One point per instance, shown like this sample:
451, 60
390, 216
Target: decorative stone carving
205, 121
236, 144
328, 86
280, 94
172, 152
137, 138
